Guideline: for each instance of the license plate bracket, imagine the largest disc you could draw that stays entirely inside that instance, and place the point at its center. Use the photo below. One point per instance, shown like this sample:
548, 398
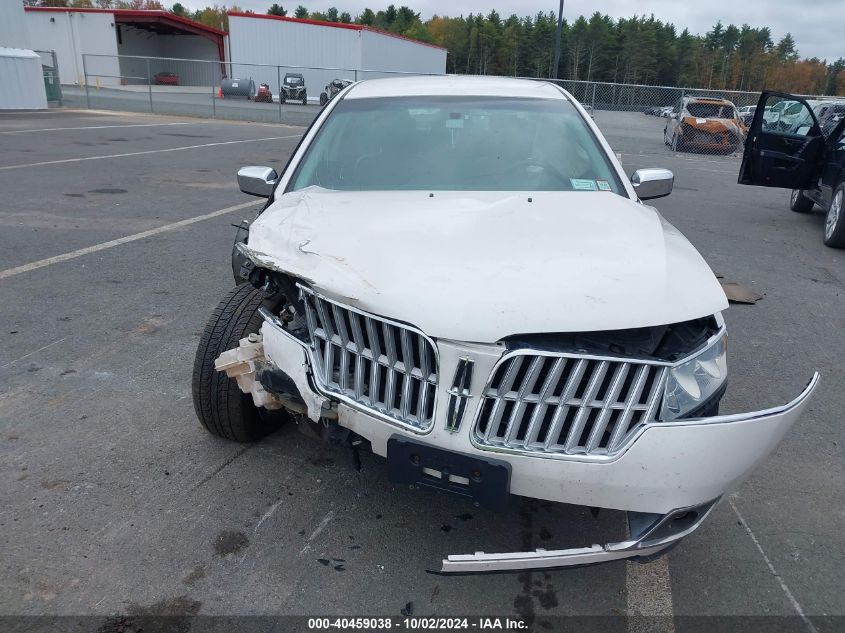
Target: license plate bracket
482, 480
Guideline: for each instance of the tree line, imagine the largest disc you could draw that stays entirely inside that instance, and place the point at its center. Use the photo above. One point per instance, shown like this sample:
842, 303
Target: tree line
641, 49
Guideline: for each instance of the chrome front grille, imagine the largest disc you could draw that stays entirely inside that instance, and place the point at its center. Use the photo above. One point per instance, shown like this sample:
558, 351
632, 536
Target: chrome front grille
566, 404
381, 365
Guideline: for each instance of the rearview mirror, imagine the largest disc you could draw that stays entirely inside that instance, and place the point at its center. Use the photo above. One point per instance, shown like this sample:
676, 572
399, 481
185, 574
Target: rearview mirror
257, 181
652, 183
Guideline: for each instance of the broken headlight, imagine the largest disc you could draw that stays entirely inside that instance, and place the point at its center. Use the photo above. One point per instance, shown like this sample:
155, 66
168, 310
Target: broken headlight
696, 380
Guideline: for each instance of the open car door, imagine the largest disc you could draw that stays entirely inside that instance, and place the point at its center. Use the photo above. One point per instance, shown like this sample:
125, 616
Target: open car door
784, 144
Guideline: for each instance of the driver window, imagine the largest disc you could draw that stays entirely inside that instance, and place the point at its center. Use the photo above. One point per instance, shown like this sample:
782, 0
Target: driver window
787, 117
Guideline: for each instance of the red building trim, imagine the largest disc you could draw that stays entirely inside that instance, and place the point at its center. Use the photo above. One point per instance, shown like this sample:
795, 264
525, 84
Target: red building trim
135, 14
138, 16
335, 25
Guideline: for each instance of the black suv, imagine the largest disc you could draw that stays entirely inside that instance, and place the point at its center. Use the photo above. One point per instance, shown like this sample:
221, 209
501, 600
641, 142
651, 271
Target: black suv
293, 89
787, 147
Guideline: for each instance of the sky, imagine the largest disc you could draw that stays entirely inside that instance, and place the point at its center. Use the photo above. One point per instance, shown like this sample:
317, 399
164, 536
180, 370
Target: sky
816, 26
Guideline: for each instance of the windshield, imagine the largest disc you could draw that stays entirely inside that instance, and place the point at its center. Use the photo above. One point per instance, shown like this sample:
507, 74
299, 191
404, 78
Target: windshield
456, 144
291, 79
711, 110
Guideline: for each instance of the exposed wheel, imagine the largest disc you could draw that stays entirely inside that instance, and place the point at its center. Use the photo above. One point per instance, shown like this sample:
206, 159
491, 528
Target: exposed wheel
222, 408
834, 221
282, 98
324, 98
677, 143
799, 203
304, 99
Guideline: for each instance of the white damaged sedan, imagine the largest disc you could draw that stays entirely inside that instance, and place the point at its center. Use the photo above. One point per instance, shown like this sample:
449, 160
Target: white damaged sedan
468, 284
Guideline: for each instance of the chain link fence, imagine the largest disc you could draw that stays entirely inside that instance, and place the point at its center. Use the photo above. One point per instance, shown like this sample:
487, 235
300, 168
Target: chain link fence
206, 88
636, 119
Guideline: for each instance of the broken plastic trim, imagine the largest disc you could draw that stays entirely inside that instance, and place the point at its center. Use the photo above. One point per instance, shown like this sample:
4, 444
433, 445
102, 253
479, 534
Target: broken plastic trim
650, 534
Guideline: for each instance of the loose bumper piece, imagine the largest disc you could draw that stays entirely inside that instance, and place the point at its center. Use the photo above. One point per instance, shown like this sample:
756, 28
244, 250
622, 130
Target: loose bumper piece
650, 535
242, 364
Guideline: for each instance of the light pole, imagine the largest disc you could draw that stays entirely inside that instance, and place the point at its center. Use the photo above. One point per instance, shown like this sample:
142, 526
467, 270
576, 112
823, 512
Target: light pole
557, 40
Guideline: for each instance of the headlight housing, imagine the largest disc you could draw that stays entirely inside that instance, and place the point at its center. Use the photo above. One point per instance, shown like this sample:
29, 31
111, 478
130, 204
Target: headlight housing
693, 382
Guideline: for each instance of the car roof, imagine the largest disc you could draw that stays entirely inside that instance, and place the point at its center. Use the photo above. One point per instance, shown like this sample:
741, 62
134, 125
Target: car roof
446, 85
713, 100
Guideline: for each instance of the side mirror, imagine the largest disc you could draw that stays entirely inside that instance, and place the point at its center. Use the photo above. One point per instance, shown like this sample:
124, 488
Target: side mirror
257, 181
652, 183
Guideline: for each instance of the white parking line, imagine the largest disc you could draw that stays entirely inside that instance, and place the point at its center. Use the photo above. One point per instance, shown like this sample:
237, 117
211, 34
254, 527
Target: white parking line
795, 605
322, 526
150, 151
93, 127
648, 592
41, 263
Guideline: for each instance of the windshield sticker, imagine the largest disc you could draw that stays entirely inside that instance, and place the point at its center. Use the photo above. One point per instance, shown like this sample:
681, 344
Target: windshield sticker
583, 184
455, 121
603, 185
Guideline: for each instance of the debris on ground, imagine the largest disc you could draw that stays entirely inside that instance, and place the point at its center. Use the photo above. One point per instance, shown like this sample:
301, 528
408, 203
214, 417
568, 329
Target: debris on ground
737, 293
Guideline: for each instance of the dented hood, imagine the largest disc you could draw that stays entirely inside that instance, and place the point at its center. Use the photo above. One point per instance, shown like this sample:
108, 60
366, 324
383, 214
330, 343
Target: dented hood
483, 266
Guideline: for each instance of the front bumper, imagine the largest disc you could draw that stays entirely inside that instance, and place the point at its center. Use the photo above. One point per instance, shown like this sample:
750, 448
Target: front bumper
669, 468
669, 465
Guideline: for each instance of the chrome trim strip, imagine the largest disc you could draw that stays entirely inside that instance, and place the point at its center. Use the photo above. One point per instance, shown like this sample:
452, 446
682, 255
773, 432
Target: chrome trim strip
544, 559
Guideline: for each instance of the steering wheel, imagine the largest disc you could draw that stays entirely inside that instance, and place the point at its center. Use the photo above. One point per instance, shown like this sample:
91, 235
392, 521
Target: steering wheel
546, 167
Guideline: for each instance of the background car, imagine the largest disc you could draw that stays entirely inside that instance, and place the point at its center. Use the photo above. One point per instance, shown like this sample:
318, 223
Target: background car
263, 94
746, 114
704, 124
829, 114
332, 88
800, 155
166, 79
293, 89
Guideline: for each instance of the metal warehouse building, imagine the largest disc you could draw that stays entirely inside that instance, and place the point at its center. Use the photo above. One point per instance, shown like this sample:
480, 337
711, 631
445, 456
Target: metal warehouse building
72, 32
322, 51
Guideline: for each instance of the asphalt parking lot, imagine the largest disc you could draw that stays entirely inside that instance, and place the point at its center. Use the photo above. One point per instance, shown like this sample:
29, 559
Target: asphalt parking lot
114, 250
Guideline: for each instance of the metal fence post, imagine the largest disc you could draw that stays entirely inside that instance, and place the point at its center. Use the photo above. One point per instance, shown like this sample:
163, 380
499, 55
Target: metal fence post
149, 84
213, 96
594, 98
85, 81
279, 84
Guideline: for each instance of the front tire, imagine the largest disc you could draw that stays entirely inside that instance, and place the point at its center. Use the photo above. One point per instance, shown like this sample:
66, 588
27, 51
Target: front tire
677, 143
222, 408
304, 99
834, 221
799, 203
